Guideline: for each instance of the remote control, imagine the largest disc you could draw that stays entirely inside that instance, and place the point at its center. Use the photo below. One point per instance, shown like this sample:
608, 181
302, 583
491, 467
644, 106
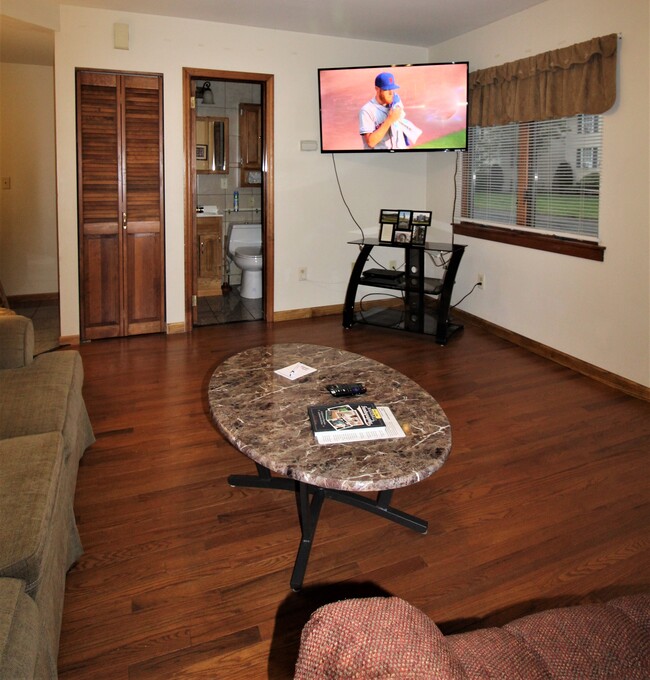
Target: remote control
346, 389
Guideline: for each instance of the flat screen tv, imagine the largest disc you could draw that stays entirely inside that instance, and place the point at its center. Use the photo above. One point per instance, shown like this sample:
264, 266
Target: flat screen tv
414, 107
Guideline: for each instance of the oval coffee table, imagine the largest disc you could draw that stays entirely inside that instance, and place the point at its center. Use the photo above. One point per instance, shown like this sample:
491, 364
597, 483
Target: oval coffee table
264, 415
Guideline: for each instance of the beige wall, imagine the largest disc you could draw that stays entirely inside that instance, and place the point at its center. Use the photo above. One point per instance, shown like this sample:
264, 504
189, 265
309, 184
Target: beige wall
311, 223
28, 241
596, 311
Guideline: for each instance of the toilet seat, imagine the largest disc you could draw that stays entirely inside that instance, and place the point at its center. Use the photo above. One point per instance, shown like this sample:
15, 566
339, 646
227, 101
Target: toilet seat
248, 252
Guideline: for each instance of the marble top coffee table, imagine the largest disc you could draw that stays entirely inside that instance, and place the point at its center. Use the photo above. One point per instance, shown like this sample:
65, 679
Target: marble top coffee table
264, 415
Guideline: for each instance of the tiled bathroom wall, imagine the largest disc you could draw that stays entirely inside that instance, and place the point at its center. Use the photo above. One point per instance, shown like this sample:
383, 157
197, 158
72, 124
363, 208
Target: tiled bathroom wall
210, 189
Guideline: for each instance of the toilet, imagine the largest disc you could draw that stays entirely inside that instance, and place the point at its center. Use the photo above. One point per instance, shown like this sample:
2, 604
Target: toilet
244, 248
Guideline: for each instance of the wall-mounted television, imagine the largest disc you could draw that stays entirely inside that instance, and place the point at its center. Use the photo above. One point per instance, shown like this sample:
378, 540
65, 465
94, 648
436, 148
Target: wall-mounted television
414, 107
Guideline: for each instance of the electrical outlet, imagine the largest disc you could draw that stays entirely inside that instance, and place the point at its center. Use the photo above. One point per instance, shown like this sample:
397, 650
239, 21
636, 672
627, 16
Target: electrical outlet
480, 280
302, 274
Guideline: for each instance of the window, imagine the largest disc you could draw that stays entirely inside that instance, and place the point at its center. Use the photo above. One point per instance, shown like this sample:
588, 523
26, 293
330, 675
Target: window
542, 177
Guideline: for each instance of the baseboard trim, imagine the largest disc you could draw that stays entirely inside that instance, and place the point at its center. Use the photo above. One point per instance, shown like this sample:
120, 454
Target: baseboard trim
174, 328
307, 313
32, 298
630, 387
69, 340
330, 310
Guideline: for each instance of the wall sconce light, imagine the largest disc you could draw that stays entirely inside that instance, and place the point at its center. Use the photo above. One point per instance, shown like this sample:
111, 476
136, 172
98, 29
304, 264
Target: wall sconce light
208, 97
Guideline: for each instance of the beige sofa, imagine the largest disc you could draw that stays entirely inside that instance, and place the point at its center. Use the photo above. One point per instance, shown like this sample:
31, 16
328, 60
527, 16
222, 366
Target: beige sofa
44, 431
385, 638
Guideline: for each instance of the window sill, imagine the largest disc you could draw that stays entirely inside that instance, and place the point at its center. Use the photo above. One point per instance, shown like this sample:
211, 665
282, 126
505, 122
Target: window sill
552, 244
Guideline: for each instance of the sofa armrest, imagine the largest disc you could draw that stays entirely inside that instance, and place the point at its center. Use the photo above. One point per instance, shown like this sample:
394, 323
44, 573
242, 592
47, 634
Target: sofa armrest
16, 341
374, 638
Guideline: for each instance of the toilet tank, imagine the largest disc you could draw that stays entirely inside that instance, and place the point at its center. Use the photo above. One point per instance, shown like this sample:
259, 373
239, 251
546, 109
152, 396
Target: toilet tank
244, 235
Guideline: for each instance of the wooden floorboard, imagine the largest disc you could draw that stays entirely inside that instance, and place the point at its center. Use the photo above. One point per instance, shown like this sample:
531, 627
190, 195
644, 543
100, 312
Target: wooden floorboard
544, 501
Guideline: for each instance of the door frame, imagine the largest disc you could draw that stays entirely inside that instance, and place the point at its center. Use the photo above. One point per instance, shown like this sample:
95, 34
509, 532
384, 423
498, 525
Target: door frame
265, 80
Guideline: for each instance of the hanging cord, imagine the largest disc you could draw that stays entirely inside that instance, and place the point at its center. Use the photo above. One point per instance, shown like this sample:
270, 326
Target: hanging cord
466, 296
453, 206
345, 203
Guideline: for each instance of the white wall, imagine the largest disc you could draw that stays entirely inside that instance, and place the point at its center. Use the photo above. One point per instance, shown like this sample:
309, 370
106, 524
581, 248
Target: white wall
311, 223
596, 311
28, 247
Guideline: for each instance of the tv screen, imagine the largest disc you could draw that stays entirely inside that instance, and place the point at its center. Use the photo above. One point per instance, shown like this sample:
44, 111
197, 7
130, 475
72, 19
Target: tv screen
415, 107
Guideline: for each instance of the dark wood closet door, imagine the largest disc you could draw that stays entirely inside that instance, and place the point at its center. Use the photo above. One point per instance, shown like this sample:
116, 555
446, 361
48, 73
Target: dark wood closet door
143, 200
120, 156
100, 188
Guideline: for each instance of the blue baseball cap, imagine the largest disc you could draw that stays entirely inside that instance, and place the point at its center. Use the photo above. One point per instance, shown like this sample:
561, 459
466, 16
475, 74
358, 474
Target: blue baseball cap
386, 81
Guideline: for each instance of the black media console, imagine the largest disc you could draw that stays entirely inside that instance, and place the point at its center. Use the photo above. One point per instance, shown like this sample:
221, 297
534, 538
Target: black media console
418, 313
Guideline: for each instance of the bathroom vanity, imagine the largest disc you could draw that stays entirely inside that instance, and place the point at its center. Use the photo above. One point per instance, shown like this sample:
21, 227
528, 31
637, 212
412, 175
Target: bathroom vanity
209, 231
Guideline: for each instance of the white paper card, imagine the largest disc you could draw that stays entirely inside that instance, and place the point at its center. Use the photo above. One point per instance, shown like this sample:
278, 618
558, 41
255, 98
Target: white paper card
295, 371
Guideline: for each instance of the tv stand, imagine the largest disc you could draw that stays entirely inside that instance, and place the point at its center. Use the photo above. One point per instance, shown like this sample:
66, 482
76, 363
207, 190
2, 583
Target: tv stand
417, 314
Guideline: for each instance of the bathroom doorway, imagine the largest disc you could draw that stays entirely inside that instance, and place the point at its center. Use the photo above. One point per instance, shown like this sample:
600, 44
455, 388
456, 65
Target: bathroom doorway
229, 181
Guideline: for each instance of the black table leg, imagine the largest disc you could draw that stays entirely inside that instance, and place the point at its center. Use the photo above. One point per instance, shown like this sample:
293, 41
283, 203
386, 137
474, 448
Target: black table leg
380, 507
310, 501
308, 513
263, 480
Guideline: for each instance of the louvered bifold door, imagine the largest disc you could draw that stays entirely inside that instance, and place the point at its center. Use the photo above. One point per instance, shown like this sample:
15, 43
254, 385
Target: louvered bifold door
99, 189
143, 194
120, 181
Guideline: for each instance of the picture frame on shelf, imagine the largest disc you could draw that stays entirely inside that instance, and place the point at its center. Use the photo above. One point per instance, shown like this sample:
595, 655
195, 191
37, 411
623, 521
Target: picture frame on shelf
421, 218
404, 220
388, 216
201, 152
419, 237
403, 227
402, 236
386, 232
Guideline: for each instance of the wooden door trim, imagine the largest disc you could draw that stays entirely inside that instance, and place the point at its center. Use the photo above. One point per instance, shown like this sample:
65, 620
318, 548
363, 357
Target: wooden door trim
266, 82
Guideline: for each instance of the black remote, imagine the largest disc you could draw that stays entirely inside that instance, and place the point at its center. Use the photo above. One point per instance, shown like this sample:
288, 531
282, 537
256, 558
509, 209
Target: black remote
346, 389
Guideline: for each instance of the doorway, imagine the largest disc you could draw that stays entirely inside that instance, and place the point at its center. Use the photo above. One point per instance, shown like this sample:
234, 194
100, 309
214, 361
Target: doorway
229, 182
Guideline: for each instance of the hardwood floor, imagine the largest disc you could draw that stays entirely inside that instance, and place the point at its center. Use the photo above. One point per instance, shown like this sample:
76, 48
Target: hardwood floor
544, 501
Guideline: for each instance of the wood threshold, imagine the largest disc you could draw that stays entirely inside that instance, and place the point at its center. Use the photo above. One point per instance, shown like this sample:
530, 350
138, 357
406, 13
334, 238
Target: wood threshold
552, 244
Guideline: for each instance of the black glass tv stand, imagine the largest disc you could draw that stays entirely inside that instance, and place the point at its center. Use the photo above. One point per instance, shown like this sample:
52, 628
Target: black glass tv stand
419, 312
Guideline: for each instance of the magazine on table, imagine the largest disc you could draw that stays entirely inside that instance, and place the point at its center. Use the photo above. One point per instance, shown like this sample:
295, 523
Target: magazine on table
350, 422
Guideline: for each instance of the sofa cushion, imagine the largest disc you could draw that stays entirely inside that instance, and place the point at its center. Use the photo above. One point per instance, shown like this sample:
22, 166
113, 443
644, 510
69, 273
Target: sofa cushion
586, 641
51, 385
16, 341
29, 485
22, 651
591, 640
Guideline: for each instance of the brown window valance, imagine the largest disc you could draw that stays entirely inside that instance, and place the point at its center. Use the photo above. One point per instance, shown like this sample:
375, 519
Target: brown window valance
556, 84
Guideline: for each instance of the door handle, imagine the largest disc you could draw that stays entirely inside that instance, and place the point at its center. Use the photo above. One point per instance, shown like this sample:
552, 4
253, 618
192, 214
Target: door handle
123, 220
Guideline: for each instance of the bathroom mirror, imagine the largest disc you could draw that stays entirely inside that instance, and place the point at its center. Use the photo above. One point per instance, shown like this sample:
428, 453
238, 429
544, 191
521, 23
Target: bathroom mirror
211, 145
